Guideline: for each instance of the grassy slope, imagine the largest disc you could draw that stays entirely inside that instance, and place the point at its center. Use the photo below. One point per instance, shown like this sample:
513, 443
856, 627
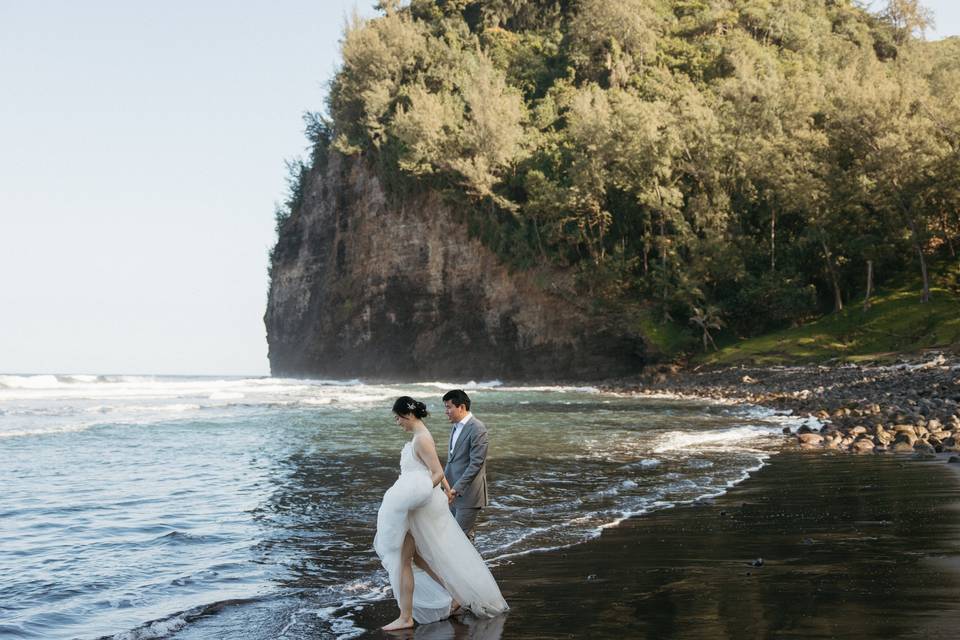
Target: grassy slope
895, 323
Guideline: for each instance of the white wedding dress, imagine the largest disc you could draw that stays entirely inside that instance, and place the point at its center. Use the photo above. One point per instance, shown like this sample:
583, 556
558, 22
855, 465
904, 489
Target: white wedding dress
413, 504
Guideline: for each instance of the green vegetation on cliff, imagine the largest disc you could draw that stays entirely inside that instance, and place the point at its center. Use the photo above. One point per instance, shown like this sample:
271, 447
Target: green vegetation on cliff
747, 165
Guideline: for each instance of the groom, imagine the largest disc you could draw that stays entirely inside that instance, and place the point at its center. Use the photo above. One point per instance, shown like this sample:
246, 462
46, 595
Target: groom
466, 469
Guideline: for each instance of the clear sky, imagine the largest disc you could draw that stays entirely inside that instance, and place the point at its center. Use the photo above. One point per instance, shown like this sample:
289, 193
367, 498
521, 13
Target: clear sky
142, 149
141, 155
947, 16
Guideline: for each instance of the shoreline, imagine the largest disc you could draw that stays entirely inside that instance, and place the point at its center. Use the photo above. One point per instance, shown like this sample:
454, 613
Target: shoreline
866, 548
912, 407
808, 546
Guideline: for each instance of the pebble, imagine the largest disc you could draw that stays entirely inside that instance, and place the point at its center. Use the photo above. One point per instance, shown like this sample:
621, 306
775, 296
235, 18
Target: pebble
910, 407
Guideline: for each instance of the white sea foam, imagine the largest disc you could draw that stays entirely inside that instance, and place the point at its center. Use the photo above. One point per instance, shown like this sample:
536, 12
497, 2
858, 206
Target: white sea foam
500, 386
114, 391
154, 630
226, 395
733, 438
490, 384
670, 395
124, 388
447, 385
706, 495
80, 378
350, 597
554, 389
28, 382
50, 403
584, 533
181, 407
140, 409
67, 428
530, 532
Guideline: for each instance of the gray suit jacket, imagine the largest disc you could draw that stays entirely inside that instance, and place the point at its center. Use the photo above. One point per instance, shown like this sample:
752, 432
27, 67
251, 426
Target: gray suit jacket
466, 468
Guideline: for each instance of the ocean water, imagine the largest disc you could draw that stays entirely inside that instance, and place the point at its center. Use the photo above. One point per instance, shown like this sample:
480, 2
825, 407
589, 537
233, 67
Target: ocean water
195, 507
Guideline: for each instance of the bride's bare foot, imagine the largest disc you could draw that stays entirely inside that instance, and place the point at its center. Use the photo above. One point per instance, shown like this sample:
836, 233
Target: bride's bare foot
399, 623
455, 608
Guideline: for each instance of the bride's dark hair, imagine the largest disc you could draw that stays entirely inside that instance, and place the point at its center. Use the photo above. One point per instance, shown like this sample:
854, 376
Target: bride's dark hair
405, 405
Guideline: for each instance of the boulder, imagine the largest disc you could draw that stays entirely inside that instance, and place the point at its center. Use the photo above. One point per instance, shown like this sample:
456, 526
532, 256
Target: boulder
902, 447
863, 445
905, 436
923, 448
810, 438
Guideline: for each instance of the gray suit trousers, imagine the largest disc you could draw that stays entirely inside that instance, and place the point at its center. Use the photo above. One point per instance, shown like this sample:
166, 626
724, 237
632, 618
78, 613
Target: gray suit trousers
467, 519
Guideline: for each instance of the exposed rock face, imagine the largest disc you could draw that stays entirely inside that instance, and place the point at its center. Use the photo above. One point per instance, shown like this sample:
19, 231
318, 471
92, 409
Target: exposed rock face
365, 288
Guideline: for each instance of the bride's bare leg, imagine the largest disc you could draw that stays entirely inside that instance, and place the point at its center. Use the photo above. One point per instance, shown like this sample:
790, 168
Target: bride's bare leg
422, 563
405, 597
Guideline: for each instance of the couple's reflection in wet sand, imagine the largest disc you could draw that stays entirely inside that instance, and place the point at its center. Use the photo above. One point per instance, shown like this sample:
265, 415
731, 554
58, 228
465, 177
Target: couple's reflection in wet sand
465, 628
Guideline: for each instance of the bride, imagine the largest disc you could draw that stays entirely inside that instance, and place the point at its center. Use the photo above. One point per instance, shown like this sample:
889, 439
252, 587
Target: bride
434, 569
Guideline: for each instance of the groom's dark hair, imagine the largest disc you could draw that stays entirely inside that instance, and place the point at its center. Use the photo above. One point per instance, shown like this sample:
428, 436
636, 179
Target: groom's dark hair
458, 397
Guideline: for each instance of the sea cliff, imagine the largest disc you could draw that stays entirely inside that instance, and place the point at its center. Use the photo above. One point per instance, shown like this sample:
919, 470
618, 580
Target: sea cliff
363, 285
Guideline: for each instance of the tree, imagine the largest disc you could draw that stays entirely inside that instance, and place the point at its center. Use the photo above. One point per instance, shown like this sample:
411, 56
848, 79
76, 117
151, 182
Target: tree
706, 320
908, 18
611, 41
684, 155
379, 56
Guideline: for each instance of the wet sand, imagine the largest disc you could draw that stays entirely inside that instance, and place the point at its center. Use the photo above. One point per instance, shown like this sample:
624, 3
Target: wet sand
851, 547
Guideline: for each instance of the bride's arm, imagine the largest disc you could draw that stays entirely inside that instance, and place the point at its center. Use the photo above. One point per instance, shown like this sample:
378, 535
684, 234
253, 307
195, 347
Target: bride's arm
426, 450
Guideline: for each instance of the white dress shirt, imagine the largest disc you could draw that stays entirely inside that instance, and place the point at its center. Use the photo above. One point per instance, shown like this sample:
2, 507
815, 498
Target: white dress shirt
458, 428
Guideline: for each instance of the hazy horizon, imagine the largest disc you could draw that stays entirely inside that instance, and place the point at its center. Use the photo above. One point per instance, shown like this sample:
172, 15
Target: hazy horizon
144, 152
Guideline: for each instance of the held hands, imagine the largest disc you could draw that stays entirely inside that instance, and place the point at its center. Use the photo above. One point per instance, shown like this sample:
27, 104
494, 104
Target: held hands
451, 495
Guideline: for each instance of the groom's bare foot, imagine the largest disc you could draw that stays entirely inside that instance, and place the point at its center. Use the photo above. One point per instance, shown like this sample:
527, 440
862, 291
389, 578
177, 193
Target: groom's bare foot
399, 623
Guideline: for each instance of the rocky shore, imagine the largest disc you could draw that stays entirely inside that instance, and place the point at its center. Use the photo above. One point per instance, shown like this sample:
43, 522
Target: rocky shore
912, 406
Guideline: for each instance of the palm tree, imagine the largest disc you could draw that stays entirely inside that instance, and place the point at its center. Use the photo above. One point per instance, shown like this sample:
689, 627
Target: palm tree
707, 319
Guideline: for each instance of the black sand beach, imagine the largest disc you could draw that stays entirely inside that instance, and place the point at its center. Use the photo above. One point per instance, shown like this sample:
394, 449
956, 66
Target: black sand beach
811, 546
